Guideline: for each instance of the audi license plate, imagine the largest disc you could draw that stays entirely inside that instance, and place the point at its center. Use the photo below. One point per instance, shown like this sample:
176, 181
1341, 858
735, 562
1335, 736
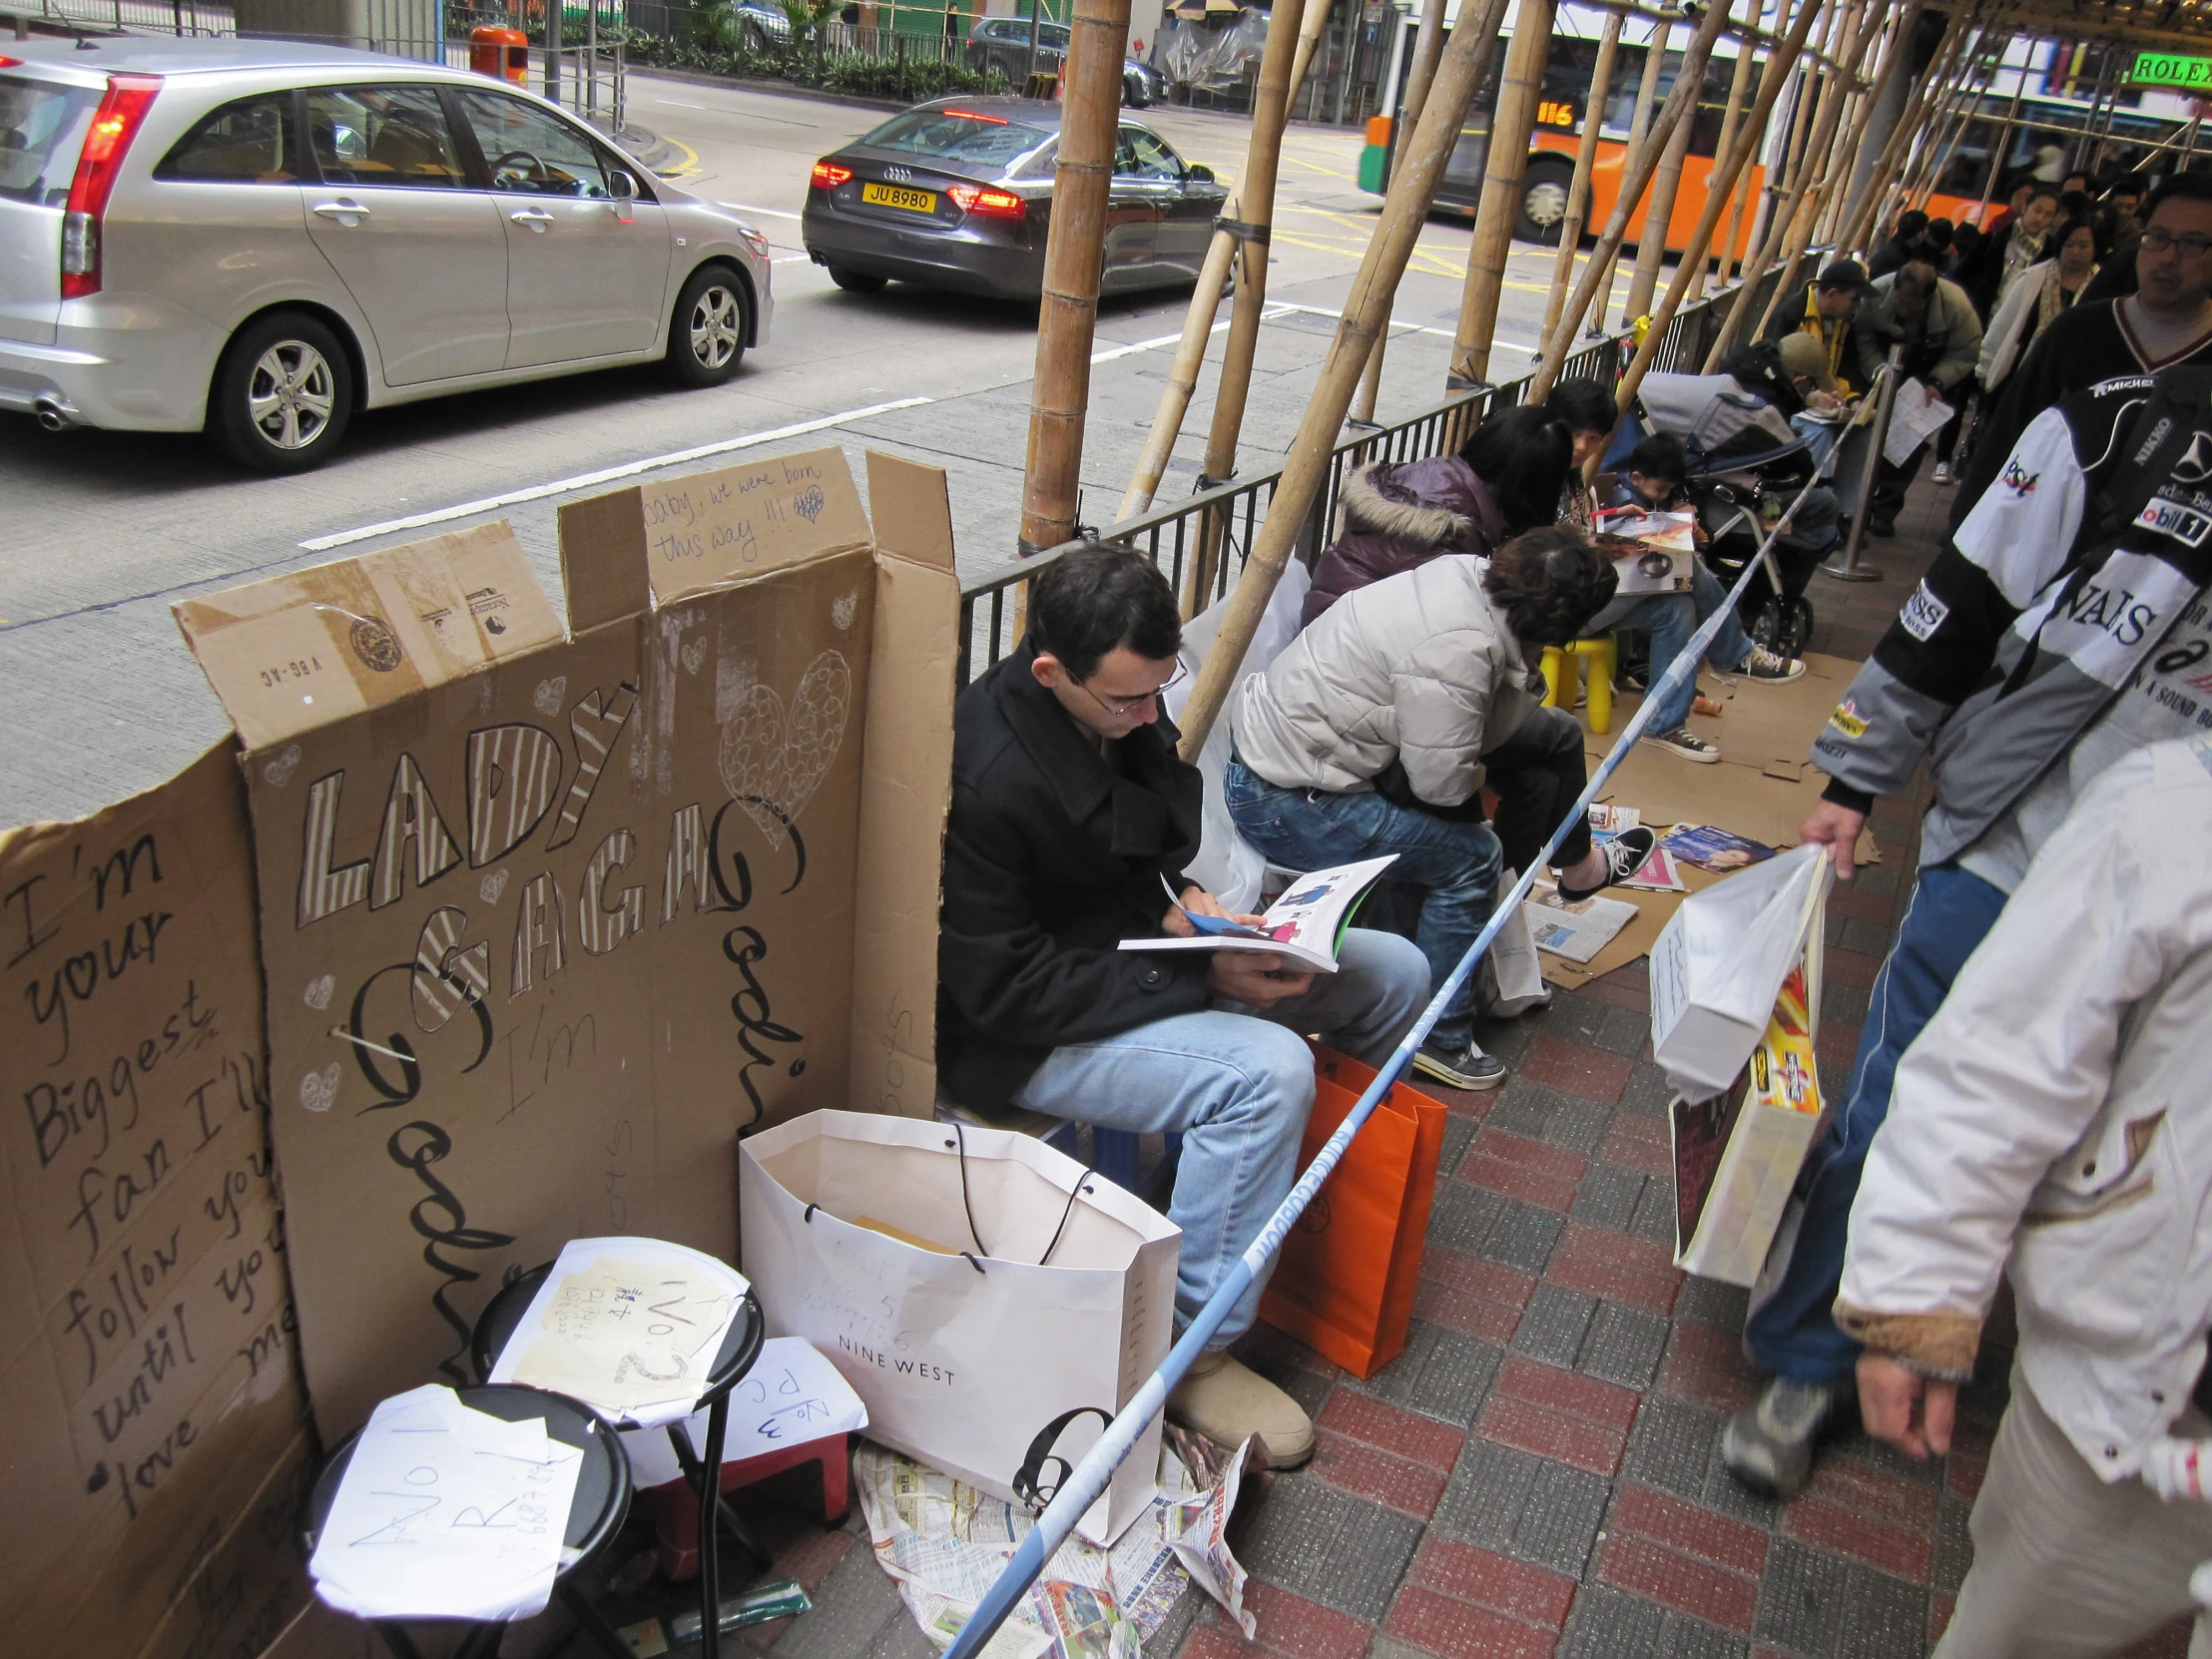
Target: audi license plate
898, 195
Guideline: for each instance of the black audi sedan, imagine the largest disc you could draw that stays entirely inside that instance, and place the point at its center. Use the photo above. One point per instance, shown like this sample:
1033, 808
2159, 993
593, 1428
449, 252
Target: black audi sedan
957, 194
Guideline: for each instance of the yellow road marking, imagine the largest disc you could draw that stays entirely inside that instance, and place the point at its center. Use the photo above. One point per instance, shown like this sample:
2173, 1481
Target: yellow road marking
691, 161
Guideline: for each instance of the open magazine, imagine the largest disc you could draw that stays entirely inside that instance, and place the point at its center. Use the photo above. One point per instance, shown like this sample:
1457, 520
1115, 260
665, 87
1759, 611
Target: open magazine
1303, 926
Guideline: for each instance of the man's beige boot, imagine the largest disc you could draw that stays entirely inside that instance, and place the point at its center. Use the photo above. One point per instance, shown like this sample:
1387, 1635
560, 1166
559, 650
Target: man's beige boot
1223, 1400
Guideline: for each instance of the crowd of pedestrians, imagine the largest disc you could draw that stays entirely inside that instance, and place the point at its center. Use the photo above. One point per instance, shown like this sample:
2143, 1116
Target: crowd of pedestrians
2023, 1100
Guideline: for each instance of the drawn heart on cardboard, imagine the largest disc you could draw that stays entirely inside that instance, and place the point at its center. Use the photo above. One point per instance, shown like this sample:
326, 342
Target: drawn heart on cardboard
549, 694
492, 886
318, 1090
843, 608
278, 770
318, 991
773, 757
695, 653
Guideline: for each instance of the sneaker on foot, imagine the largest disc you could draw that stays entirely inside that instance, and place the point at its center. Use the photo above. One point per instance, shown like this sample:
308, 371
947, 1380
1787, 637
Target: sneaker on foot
1769, 1444
1624, 855
1226, 1401
1685, 743
1943, 474
1769, 667
1885, 528
1465, 1067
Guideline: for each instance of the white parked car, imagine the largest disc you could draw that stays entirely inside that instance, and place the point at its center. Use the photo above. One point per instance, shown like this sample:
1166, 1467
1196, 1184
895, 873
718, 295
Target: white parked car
256, 239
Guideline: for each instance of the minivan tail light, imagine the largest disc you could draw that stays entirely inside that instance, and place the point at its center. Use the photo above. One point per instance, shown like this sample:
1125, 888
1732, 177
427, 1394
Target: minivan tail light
987, 203
828, 175
114, 125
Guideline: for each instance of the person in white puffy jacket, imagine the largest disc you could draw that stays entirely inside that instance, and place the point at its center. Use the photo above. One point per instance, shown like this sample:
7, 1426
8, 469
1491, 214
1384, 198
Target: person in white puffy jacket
2053, 1122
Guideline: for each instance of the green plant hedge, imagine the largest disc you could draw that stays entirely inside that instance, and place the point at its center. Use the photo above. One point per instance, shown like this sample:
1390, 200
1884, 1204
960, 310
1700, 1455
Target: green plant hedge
858, 72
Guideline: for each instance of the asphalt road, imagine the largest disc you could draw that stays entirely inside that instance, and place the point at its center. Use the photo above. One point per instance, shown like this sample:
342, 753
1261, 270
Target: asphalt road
103, 530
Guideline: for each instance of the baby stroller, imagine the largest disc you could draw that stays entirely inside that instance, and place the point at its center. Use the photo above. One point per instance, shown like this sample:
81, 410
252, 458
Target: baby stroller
1747, 466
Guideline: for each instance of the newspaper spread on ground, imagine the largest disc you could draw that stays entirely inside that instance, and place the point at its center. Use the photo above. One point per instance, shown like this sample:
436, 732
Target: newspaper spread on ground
944, 1544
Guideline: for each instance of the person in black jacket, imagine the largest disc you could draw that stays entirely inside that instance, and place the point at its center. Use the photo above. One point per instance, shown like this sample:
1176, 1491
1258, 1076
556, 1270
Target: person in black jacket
1072, 823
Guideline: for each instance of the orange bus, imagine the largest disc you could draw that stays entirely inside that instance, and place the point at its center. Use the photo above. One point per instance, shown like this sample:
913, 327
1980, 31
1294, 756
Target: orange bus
1561, 108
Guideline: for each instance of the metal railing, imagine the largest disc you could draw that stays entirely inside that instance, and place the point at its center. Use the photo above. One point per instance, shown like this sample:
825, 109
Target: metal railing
1180, 537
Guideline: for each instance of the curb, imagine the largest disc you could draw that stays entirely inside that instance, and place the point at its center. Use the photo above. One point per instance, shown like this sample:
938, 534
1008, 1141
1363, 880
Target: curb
779, 89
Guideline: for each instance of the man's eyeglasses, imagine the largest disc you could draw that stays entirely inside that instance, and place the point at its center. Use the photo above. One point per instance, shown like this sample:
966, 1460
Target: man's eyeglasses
2156, 240
1130, 705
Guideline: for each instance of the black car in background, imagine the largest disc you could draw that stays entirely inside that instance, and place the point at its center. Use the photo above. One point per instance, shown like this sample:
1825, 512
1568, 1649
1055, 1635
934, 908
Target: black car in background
1002, 43
957, 194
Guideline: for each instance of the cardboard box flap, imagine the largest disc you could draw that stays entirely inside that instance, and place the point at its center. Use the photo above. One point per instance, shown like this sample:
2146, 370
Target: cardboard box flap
297, 652
708, 529
911, 510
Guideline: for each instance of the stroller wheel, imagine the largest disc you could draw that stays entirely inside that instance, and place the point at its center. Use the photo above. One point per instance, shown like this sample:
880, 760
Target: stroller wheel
1783, 627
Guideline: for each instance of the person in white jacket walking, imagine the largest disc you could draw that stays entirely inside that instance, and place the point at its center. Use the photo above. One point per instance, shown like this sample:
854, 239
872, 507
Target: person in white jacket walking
2044, 293
2053, 1116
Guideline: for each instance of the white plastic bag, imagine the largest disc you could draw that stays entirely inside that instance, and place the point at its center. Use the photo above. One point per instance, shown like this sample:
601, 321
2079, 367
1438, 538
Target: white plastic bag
1510, 980
1720, 963
1229, 867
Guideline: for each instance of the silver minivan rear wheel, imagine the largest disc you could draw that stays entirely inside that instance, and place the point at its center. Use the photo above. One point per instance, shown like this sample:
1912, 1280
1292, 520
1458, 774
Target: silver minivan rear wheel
283, 394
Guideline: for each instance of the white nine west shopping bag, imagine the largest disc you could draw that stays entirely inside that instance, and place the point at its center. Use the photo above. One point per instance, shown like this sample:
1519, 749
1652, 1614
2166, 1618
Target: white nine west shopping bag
991, 1304
1720, 963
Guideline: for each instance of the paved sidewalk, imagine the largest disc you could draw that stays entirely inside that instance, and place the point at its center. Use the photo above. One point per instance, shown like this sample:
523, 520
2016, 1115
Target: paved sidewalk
1540, 1474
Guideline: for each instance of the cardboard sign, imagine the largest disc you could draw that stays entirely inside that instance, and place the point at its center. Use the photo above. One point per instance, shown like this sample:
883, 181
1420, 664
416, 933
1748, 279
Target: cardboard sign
147, 1372
548, 921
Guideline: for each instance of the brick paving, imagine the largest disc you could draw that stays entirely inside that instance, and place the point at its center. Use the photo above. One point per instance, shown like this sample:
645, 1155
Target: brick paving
1539, 1472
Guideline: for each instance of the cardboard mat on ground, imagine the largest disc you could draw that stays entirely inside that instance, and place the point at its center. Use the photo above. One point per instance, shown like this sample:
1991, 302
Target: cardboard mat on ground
152, 1414
548, 916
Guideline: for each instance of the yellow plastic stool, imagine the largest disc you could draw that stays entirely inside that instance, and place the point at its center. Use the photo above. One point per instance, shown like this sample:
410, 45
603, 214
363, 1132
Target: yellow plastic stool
1557, 691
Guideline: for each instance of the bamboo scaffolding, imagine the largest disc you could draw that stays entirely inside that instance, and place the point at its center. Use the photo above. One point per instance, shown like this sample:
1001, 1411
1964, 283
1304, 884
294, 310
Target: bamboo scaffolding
1429, 46
1732, 114
1366, 313
1731, 164
1875, 203
1068, 311
1792, 222
1506, 158
1639, 136
1585, 161
1198, 321
1634, 181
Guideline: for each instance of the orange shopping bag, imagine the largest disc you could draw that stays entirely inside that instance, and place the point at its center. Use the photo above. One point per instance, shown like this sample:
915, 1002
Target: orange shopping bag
1346, 1280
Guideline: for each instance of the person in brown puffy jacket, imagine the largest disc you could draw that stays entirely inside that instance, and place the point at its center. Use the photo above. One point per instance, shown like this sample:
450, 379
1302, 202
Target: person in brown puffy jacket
1398, 515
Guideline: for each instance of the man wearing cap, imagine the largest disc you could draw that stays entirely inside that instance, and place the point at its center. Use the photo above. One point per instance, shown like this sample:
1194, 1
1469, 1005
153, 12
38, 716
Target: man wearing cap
1831, 301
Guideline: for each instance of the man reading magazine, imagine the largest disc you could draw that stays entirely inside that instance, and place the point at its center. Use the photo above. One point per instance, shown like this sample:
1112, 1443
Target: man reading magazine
1069, 806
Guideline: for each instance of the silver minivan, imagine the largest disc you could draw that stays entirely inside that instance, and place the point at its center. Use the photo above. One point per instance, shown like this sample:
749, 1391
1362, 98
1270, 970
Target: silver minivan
255, 239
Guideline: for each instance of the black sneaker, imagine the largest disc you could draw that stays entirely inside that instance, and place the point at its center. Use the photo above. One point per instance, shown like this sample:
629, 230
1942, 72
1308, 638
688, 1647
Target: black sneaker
1460, 1068
1687, 743
1768, 668
1624, 856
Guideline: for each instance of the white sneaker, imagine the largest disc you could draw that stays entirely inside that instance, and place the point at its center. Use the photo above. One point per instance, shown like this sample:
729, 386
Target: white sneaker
1943, 473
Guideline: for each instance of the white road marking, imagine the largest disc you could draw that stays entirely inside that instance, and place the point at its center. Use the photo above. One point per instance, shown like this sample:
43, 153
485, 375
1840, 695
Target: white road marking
606, 475
792, 259
1272, 310
773, 212
1280, 307
674, 103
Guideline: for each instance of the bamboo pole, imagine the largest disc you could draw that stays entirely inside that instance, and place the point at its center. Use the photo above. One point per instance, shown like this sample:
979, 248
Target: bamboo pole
1784, 230
2000, 144
1953, 123
1429, 46
1739, 84
1585, 161
1075, 245
1366, 313
1733, 163
1639, 136
1651, 246
1506, 157
1874, 204
1198, 321
1256, 208
1634, 181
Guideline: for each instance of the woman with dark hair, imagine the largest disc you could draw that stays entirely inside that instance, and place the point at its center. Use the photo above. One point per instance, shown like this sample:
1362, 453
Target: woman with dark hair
2043, 295
1401, 514
1374, 730
1591, 414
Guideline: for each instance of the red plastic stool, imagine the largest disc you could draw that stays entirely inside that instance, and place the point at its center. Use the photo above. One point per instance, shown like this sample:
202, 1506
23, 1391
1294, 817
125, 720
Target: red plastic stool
676, 1505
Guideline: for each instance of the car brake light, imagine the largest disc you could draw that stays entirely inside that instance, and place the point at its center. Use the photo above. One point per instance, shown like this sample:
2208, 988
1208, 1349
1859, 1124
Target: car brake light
828, 175
987, 203
114, 126
970, 115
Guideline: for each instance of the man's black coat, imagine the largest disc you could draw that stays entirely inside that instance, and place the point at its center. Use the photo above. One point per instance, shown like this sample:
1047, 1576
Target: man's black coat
1052, 855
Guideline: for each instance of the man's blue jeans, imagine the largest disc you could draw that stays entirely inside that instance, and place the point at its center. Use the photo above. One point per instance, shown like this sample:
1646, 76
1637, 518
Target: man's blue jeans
1457, 864
1672, 619
1794, 1332
1238, 1087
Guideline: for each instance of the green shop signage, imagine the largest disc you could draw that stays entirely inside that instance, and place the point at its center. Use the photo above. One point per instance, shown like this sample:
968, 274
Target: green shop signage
2166, 68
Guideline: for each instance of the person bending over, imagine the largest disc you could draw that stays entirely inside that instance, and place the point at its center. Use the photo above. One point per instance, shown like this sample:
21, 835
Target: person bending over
1070, 807
1655, 471
1372, 732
